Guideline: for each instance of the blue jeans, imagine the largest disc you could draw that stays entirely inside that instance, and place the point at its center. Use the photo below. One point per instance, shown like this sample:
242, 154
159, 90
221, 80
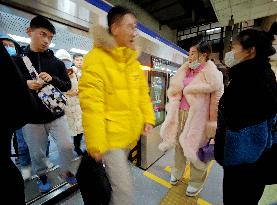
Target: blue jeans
23, 151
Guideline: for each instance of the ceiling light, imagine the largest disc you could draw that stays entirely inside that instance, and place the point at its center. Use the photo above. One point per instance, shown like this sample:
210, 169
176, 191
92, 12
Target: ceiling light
213, 29
76, 50
26, 40
20, 38
52, 45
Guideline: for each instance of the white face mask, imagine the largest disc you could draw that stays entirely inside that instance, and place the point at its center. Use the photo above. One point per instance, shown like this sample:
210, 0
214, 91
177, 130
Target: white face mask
230, 59
194, 64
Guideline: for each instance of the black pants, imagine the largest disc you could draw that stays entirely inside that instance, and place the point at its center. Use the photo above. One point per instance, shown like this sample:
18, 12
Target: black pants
13, 191
242, 185
77, 140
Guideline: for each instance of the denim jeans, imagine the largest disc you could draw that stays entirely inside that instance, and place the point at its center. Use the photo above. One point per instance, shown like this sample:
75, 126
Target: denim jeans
23, 151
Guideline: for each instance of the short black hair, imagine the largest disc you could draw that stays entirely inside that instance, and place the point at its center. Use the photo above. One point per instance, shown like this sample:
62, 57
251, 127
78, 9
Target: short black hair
116, 13
76, 55
42, 22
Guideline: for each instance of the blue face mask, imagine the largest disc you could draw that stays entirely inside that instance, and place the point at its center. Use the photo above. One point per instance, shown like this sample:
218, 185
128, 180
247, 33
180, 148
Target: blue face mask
194, 64
11, 50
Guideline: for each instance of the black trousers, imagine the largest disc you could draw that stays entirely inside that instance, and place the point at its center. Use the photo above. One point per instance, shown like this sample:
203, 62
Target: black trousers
13, 191
242, 185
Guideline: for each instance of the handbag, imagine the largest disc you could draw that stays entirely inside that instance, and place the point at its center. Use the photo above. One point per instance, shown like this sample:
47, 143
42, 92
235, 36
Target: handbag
206, 153
93, 182
51, 96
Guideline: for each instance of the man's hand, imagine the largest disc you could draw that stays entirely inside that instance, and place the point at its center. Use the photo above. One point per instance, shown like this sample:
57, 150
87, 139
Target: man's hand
147, 128
34, 85
97, 156
45, 77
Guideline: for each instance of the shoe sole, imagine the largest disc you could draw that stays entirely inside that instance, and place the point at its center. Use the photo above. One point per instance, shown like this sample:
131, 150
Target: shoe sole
193, 194
173, 182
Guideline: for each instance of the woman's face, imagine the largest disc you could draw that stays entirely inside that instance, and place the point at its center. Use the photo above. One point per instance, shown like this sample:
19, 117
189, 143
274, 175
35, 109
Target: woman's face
242, 54
193, 54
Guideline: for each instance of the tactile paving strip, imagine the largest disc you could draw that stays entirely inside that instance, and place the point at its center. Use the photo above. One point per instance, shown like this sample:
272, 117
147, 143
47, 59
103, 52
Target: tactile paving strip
176, 195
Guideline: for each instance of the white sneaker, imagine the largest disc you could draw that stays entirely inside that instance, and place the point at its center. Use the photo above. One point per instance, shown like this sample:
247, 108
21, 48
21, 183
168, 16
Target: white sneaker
173, 180
26, 172
192, 191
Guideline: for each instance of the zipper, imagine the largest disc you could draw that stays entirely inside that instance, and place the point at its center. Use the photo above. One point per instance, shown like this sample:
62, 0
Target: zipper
39, 64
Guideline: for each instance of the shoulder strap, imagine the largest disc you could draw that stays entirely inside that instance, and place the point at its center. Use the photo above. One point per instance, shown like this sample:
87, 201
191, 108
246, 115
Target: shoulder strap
30, 68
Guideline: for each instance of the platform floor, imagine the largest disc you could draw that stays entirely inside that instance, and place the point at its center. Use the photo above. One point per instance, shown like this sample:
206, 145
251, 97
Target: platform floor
152, 187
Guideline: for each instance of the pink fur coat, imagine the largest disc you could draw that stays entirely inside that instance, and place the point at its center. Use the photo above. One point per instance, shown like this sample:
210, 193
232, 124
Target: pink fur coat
202, 94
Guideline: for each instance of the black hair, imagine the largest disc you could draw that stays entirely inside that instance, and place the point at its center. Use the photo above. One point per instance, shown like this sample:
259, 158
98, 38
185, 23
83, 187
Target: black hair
42, 22
116, 13
272, 31
76, 55
203, 47
260, 40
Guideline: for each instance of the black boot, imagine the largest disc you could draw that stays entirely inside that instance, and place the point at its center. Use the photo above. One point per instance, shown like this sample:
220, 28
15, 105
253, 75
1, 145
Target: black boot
77, 143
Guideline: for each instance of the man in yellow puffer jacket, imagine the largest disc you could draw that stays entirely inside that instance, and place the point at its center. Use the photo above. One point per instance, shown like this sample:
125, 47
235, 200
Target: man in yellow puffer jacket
114, 99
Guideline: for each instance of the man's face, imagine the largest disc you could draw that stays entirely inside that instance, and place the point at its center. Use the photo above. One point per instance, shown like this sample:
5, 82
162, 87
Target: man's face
8, 43
40, 38
124, 31
78, 61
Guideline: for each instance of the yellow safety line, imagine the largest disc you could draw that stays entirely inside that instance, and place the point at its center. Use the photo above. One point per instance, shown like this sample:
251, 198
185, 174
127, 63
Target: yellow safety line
187, 171
168, 185
157, 179
202, 202
168, 169
210, 166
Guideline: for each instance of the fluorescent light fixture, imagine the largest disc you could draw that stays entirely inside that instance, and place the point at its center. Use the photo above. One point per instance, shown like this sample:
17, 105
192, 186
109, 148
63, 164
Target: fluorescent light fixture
168, 70
76, 50
26, 40
213, 29
52, 45
20, 38
145, 67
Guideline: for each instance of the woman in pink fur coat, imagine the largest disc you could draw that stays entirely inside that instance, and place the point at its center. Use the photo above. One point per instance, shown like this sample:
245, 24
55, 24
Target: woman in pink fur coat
193, 95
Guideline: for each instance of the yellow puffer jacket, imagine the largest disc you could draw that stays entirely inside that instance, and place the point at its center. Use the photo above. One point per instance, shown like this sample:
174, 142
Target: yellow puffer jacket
114, 96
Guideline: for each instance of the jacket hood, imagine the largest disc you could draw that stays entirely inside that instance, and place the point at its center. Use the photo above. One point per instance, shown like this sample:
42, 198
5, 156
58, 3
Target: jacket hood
62, 54
7, 37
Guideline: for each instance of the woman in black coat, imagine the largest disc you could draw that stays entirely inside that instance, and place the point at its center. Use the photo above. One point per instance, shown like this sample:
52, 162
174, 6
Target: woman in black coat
245, 137
18, 107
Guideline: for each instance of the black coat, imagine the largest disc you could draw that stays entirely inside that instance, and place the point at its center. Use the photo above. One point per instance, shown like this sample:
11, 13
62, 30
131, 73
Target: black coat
251, 96
45, 62
18, 108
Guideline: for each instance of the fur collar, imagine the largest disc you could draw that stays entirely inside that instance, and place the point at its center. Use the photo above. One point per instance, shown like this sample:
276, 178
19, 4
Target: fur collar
212, 75
103, 39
